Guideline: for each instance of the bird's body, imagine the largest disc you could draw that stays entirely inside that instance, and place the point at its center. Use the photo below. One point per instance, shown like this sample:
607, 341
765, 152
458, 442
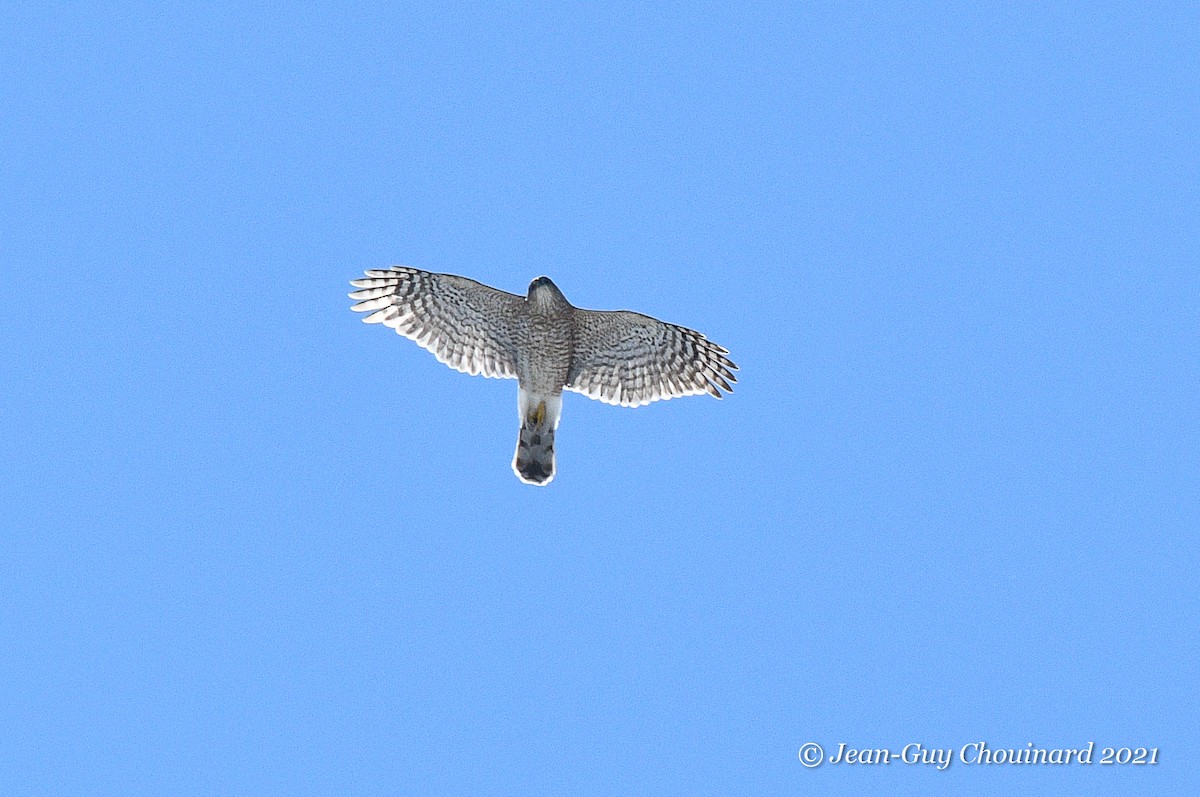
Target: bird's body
547, 344
618, 357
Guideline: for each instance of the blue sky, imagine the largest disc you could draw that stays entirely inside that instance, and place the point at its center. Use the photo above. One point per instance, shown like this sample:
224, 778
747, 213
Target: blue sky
252, 546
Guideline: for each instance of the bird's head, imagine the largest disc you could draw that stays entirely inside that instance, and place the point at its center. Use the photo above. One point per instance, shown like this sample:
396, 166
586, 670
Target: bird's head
544, 295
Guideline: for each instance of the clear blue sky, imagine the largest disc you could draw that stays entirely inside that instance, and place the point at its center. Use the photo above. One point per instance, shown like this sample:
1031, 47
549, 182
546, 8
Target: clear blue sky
253, 546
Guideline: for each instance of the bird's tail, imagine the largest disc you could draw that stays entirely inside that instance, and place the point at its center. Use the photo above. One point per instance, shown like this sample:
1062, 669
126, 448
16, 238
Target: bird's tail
534, 460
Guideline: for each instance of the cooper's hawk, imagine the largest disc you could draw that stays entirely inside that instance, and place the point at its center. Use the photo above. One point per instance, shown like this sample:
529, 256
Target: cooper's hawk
545, 344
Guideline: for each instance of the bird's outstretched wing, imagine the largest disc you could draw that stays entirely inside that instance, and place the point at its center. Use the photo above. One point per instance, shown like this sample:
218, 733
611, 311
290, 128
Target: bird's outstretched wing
632, 359
465, 324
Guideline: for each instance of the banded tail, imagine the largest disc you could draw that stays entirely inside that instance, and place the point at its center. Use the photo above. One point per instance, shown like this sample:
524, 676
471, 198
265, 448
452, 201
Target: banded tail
534, 461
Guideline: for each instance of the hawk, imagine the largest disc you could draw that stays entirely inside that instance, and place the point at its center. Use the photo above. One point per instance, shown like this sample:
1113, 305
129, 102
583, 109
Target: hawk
547, 345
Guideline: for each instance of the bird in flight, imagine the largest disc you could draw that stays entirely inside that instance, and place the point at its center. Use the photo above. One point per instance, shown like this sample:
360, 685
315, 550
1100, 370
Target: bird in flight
547, 345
